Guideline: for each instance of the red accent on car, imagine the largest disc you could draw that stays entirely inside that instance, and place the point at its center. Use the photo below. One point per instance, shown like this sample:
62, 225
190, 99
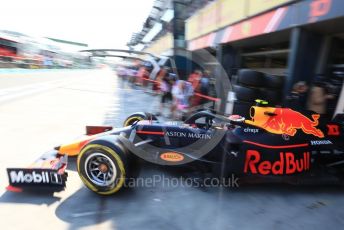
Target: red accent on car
276, 146
150, 132
14, 189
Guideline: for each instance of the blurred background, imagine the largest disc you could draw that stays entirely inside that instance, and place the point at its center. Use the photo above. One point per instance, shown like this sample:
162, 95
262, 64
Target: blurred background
268, 49
58, 74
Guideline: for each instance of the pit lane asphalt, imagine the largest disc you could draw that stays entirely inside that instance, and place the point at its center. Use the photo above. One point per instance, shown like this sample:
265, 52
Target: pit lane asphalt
36, 117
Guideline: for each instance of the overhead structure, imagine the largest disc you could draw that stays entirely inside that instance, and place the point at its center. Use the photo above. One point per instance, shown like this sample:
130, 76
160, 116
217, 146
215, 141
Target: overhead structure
110, 52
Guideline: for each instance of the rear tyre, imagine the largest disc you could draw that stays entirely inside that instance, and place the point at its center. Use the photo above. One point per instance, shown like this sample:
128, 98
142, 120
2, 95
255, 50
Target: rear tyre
274, 81
138, 117
246, 94
251, 78
274, 97
103, 167
242, 108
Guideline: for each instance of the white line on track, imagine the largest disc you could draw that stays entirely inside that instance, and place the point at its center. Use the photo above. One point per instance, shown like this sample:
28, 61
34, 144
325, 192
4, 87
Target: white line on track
20, 91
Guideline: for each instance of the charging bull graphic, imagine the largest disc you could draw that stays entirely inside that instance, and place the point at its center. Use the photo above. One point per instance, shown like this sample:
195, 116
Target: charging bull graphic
284, 121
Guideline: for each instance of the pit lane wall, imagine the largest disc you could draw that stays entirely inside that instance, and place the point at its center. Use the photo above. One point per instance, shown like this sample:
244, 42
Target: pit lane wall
224, 21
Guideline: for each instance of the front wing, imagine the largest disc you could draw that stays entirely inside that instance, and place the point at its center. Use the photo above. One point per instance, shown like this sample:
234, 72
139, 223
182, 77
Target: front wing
47, 172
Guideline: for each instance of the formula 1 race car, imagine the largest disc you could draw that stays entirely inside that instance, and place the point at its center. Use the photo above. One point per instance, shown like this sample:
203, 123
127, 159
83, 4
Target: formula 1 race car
274, 144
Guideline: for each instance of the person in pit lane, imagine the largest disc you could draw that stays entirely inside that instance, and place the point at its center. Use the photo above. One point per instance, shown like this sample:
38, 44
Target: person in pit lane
166, 85
182, 91
194, 80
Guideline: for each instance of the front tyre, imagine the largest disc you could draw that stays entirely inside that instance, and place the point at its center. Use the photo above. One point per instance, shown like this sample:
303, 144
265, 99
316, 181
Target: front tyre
102, 168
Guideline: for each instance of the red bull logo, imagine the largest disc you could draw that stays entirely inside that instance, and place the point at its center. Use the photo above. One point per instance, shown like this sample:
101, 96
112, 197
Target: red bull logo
287, 164
284, 121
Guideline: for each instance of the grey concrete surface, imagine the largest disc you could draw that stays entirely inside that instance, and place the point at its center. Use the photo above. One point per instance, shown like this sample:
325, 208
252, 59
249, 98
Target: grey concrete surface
33, 121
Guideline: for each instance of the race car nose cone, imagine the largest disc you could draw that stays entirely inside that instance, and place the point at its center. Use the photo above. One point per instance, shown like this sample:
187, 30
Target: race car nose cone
103, 168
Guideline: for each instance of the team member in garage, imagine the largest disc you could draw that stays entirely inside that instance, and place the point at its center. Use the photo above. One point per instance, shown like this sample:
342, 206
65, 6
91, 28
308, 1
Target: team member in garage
297, 98
318, 96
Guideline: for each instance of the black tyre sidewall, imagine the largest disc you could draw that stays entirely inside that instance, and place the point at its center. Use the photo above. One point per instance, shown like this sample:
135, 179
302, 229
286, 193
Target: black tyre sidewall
246, 94
250, 77
274, 82
139, 117
272, 96
119, 161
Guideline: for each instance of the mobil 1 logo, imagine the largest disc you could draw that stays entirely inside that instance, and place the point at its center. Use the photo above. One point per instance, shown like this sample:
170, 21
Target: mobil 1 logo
34, 176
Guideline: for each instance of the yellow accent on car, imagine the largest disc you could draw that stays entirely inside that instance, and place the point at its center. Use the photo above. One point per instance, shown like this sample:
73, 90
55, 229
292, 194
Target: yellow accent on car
130, 120
121, 169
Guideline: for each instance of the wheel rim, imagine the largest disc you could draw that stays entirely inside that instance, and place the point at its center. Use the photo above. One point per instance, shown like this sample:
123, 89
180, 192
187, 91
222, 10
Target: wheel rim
100, 169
